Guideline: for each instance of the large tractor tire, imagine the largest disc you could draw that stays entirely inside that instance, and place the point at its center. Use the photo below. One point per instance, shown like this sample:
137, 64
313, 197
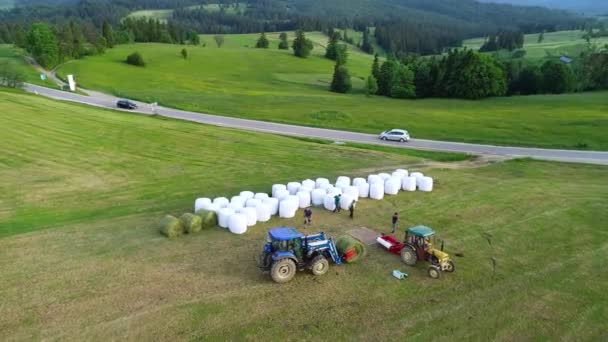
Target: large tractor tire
319, 265
434, 272
450, 267
409, 256
283, 270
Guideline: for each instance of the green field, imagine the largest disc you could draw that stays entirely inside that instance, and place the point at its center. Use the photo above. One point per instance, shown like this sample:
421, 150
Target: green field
81, 257
273, 85
164, 14
554, 45
14, 56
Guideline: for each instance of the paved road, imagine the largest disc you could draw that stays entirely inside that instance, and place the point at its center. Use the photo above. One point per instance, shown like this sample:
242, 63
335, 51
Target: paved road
107, 101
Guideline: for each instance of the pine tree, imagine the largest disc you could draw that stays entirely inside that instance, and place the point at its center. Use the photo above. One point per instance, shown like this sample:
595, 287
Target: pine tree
331, 51
367, 45
283, 44
42, 44
108, 34
376, 67
301, 46
341, 82
371, 86
262, 42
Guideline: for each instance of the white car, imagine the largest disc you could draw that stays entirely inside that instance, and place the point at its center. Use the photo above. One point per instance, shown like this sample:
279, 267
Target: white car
395, 135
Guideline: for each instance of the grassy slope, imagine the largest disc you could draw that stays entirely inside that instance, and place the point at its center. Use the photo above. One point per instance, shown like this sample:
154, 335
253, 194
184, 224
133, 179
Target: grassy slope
164, 14
276, 86
102, 180
13, 55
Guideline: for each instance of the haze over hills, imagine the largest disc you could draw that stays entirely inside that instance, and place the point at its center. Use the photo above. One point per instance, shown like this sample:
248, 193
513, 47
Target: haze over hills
580, 6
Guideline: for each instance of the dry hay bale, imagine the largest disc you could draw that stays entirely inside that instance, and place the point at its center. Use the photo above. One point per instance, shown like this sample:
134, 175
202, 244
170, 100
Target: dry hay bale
171, 227
208, 218
350, 248
192, 223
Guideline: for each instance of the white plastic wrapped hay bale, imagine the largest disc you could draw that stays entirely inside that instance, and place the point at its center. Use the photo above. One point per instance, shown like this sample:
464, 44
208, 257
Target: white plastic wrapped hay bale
223, 215
293, 198
201, 203
247, 194
426, 184
352, 191
253, 202
408, 184
392, 186
281, 194
320, 182
238, 199
404, 171
261, 196
237, 223
325, 187
293, 187
373, 179
309, 183
334, 191
251, 214
235, 205
376, 191
384, 176
363, 190
398, 175
317, 196
357, 181
329, 203
288, 208
345, 201
304, 199
305, 189
263, 212
277, 187
418, 176
343, 181
273, 203
213, 207
221, 202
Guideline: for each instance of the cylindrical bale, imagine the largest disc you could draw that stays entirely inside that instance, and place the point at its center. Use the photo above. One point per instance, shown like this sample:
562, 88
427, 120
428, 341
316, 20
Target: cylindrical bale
309, 183
237, 223
384, 176
404, 171
329, 203
223, 215
201, 203
320, 181
261, 196
235, 205
277, 187
192, 223
343, 187
214, 207
273, 203
418, 176
345, 201
288, 209
372, 179
343, 180
263, 212
376, 191
247, 194
398, 175
208, 217
221, 202
352, 191
304, 199
238, 199
251, 214
358, 181
426, 184
350, 249
409, 183
325, 187
334, 191
391, 187
171, 226
317, 197
363, 190
294, 199
293, 187
253, 202
306, 189
281, 194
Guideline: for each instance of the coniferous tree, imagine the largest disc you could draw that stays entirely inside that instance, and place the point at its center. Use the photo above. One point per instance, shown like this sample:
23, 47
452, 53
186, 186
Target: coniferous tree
219, 40
331, 51
366, 45
283, 43
403, 83
557, 78
371, 86
262, 42
301, 46
184, 53
341, 82
376, 67
108, 34
387, 77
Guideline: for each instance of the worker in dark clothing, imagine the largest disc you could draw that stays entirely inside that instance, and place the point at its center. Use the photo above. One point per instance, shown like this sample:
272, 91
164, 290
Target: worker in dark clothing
337, 203
307, 216
395, 222
351, 208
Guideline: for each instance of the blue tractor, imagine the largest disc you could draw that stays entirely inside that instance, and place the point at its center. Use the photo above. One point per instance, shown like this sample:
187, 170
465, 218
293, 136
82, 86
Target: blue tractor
287, 251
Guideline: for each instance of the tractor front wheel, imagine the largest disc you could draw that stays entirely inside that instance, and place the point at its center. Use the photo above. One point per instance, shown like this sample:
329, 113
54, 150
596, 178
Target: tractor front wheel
449, 267
408, 256
283, 270
434, 272
319, 265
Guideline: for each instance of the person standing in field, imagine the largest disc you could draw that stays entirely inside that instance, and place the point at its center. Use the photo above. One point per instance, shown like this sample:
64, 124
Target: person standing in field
307, 216
337, 203
351, 209
395, 222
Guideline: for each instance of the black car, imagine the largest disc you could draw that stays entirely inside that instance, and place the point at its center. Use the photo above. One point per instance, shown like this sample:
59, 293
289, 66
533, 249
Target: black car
126, 104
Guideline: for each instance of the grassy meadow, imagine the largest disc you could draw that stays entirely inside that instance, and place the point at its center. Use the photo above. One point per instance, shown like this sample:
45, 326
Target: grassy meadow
273, 85
164, 14
82, 259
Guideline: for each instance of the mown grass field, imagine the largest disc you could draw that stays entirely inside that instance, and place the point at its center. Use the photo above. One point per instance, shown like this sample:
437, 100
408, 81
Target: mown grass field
81, 257
553, 46
12, 55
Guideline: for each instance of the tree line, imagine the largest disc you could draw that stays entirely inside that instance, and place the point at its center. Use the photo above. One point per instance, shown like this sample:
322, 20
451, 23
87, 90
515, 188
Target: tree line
509, 40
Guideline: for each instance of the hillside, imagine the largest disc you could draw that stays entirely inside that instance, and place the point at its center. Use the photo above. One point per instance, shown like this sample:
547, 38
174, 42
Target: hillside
579, 6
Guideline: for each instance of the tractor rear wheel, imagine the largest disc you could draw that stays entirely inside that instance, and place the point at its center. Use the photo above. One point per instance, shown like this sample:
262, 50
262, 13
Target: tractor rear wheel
283, 270
408, 256
434, 272
319, 265
449, 267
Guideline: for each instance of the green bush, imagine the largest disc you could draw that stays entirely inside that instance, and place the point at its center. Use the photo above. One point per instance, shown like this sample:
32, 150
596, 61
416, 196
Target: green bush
136, 59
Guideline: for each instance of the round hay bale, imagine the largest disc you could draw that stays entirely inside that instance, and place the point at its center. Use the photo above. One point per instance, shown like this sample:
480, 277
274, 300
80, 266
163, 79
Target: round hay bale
171, 227
263, 212
261, 196
345, 201
238, 199
273, 203
320, 182
351, 249
334, 191
418, 176
343, 180
329, 203
281, 194
325, 187
221, 202
363, 190
277, 187
426, 184
201, 203
357, 181
384, 176
372, 179
304, 199
223, 215
251, 215
288, 208
246, 194
253, 202
208, 218
352, 191
316, 197
237, 223
404, 171
391, 186
409, 183
305, 189
293, 187
309, 183
192, 223
376, 191
235, 205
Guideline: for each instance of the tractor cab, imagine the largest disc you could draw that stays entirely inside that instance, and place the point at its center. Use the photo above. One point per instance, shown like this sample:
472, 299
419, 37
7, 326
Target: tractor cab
419, 245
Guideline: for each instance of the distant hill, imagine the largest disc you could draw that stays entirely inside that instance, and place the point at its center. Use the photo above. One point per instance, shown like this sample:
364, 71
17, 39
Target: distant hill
579, 6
